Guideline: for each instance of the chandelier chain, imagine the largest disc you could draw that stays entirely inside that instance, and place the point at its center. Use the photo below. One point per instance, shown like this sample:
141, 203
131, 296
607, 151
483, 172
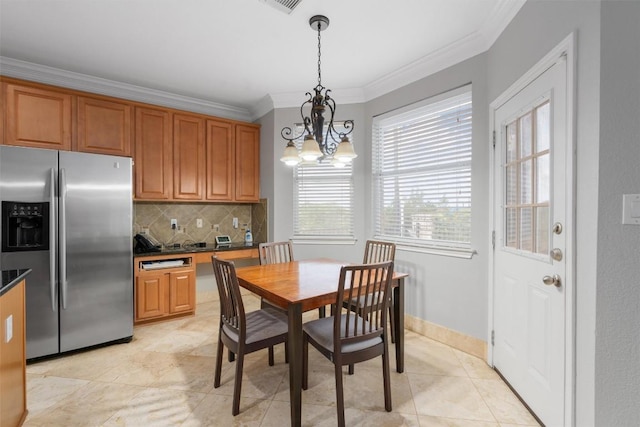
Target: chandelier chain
319, 72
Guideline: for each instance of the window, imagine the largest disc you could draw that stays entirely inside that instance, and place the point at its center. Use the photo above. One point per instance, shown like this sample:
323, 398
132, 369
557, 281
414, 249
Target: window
422, 173
527, 178
323, 201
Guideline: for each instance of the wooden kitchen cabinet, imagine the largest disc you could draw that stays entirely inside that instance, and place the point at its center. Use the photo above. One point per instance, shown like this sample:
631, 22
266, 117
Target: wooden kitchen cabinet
188, 157
104, 126
220, 160
13, 407
233, 161
164, 292
153, 154
36, 117
247, 163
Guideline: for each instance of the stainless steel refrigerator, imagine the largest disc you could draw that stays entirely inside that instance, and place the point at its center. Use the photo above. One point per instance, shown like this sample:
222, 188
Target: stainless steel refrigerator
68, 217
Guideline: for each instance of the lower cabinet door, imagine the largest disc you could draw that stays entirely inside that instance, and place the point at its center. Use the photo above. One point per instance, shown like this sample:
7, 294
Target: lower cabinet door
151, 296
182, 291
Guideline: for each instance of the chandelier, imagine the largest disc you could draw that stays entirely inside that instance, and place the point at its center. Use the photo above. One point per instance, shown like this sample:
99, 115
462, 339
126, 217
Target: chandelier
322, 142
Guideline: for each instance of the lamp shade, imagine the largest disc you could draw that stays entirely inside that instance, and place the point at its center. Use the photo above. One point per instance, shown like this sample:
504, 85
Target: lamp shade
344, 153
290, 156
310, 150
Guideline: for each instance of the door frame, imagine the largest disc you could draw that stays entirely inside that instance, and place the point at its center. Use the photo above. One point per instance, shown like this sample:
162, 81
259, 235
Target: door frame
565, 48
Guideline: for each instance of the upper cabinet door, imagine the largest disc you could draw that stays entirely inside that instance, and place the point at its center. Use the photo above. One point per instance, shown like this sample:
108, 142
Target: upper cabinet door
37, 117
188, 157
153, 154
104, 127
247, 163
220, 159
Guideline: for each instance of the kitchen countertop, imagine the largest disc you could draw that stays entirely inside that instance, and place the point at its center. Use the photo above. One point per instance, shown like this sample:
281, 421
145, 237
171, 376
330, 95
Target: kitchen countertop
211, 247
10, 278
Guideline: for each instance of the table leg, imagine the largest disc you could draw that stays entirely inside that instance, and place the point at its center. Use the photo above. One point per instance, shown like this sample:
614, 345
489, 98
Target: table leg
398, 316
295, 363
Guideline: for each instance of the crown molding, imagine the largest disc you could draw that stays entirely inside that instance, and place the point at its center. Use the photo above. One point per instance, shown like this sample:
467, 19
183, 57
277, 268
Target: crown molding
475, 43
10, 67
456, 52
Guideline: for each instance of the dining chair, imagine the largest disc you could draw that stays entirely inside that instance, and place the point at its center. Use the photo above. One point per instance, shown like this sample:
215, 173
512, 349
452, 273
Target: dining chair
349, 337
242, 332
274, 253
375, 251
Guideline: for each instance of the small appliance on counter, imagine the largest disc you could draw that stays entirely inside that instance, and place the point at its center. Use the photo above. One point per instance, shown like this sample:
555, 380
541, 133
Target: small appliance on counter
223, 241
145, 244
248, 238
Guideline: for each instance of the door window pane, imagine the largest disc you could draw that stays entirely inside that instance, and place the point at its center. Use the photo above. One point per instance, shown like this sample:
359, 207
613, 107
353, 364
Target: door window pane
525, 135
542, 179
542, 127
527, 178
511, 231
526, 226
542, 230
525, 182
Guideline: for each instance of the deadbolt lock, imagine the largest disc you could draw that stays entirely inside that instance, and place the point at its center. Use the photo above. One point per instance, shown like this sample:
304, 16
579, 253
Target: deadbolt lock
557, 228
556, 254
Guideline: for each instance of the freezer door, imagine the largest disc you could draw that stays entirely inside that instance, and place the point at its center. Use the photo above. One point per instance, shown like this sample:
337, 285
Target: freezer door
96, 259
29, 175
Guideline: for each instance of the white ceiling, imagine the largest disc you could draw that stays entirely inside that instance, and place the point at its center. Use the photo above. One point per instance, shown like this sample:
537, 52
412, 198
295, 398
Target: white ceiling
246, 54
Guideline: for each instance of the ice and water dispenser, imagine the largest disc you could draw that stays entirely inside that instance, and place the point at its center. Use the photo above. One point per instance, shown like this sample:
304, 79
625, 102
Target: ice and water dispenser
25, 226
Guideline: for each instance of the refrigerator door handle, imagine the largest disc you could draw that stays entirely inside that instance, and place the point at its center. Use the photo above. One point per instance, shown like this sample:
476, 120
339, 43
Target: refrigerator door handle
52, 239
63, 238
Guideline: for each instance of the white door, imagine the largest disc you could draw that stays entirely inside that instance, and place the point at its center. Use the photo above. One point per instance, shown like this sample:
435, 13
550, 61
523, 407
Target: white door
530, 216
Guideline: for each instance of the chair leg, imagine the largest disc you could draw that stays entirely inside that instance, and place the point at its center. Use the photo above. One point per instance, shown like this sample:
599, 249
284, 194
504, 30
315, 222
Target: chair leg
237, 386
305, 363
231, 356
271, 356
286, 351
351, 369
339, 395
386, 379
322, 312
216, 378
393, 324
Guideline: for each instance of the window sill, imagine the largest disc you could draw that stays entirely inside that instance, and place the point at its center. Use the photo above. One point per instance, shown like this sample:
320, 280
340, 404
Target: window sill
321, 240
450, 252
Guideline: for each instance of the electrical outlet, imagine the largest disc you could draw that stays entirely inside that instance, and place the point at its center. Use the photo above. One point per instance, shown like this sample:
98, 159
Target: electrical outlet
216, 227
174, 223
199, 222
235, 222
180, 230
145, 230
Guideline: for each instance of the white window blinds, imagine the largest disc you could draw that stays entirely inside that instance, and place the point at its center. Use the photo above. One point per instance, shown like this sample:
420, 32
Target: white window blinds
323, 201
422, 173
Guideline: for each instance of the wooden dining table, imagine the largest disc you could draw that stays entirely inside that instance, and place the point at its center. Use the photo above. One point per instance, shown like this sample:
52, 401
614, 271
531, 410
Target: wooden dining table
300, 286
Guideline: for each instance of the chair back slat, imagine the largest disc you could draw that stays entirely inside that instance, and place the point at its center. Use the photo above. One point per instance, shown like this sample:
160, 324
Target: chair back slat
377, 251
275, 252
232, 311
368, 281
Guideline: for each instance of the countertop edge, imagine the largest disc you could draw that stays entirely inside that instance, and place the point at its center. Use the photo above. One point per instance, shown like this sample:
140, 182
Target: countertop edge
193, 249
21, 274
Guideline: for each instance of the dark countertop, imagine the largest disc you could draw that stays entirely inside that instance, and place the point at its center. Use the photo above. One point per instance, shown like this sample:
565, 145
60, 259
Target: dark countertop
10, 278
186, 249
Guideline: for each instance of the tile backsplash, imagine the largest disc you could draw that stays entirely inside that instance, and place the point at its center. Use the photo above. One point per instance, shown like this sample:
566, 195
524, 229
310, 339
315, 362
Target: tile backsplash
155, 219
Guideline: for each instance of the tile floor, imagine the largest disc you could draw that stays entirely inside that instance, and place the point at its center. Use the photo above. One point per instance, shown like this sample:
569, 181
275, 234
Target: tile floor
164, 377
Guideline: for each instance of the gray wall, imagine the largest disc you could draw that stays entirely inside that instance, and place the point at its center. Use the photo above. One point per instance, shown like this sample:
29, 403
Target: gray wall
617, 356
511, 56
453, 292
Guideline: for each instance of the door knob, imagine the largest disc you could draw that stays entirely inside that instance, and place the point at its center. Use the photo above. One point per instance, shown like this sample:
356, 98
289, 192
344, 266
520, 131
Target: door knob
552, 280
556, 254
